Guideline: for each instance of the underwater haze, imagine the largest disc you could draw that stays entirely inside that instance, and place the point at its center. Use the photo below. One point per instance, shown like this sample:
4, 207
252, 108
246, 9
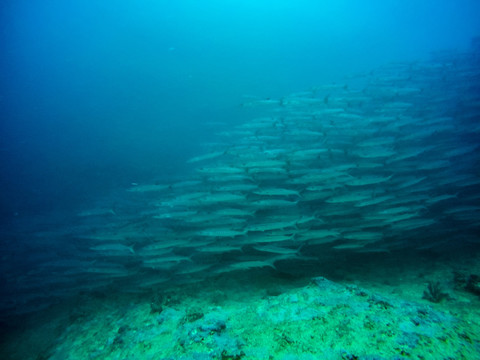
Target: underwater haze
96, 95
240, 179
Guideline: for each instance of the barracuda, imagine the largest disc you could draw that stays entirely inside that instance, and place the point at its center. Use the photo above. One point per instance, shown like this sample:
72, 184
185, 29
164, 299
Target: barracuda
221, 232
276, 192
272, 203
206, 157
113, 249
221, 170
270, 226
390, 162
221, 198
349, 197
367, 180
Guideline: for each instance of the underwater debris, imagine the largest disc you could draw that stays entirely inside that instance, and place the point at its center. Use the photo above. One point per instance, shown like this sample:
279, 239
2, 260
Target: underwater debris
434, 292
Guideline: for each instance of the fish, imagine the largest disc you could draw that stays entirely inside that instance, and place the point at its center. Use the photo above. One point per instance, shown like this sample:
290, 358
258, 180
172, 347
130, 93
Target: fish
241, 187
412, 224
233, 212
271, 203
220, 249
264, 163
149, 188
383, 165
276, 249
115, 248
164, 262
269, 237
363, 236
246, 265
108, 269
374, 201
268, 226
221, 197
176, 215
367, 180
318, 234
204, 157
349, 197
221, 170
375, 152
221, 232
276, 192
440, 198
97, 212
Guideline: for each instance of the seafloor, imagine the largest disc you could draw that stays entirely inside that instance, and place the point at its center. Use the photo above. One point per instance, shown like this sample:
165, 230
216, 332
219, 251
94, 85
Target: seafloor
355, 307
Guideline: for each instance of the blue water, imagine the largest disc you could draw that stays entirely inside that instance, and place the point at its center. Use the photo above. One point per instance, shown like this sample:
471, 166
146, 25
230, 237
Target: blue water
96, 95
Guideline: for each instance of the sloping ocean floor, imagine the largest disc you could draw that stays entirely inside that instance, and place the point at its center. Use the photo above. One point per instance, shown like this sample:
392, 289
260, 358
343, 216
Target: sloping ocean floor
377, 307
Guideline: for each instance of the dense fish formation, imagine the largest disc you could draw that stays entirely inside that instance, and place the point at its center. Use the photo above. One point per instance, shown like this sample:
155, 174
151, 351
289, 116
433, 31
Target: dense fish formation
380, 162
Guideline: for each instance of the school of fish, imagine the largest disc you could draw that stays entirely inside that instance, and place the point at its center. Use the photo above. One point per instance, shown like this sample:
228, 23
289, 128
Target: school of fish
379, 162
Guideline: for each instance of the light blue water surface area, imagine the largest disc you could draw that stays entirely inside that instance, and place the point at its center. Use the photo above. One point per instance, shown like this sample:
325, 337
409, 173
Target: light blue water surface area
151, 148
